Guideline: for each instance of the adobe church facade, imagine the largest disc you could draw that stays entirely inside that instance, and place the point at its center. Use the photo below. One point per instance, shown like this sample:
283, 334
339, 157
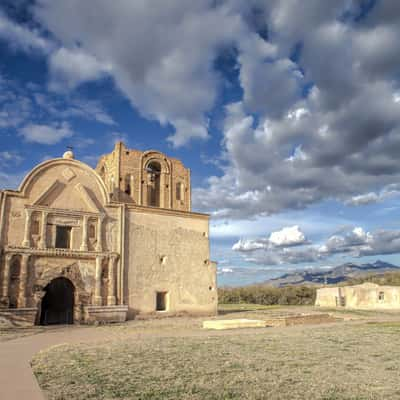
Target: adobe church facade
80, 245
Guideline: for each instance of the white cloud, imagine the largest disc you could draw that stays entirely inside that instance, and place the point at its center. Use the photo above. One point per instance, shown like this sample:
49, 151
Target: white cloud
71, 67
8, 158
354, 242
23, 38
373, 197
10, 180
160, 57
289, 236
305, 71
46, 134
248, 245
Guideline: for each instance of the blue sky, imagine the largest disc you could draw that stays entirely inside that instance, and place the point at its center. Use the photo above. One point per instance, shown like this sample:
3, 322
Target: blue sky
287, 113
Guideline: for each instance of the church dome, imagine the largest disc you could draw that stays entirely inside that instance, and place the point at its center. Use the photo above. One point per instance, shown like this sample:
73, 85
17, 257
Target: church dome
69, 155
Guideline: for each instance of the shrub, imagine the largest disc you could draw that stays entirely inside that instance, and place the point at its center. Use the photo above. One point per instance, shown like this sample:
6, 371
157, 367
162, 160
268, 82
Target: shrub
268, 295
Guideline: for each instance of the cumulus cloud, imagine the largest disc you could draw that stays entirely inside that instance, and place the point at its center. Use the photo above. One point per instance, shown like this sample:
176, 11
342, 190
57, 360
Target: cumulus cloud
46, 134
338, 139
355, 242
71, 67
288, 236
160, 57
318, 115
374, 197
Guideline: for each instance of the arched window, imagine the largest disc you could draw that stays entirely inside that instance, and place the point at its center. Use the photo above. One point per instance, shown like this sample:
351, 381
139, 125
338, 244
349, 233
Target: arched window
153, 171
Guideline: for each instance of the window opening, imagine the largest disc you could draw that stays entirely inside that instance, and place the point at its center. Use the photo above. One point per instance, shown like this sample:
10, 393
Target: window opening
63, 237
153, 188
179, 191
35, 227
92, 231
161, 301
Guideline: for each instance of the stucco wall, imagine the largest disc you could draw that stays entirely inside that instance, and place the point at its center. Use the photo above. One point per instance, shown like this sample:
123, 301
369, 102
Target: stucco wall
168, 253
367, 296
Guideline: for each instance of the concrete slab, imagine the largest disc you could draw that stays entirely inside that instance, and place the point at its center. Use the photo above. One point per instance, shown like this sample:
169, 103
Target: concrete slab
233, 323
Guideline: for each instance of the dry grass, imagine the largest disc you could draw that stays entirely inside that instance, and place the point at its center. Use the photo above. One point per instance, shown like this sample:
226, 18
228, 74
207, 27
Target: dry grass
176, 359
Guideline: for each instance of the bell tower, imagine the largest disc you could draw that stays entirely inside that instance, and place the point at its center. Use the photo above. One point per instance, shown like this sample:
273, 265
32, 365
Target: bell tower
147, 178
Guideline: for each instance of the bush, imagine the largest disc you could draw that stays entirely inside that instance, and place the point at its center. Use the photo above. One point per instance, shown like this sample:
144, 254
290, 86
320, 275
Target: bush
268, 295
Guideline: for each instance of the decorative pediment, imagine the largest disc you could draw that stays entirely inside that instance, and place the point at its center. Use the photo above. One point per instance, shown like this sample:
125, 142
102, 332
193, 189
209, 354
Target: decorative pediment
51, 191
64, 196
86, 197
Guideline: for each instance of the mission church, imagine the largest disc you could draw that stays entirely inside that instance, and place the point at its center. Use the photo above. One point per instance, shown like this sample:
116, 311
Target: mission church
80, 245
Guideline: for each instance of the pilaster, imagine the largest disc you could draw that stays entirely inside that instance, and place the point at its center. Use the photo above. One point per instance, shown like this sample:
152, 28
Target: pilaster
27, 233
23, 280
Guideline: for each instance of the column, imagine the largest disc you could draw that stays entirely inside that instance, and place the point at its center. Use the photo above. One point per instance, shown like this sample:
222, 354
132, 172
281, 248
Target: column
23, 280
99, 246
111, 301
84, 245
97, 289
6, 278
43, 231
27, 234
132, 187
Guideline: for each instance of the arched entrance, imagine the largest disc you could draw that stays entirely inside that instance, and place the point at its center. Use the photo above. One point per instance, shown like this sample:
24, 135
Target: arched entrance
58, 303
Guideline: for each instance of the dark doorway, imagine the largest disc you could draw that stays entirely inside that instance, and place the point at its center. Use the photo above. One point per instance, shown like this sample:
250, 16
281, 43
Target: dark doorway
58, 303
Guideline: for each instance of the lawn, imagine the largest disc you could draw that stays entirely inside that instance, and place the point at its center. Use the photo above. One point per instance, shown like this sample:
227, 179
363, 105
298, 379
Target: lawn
176, 359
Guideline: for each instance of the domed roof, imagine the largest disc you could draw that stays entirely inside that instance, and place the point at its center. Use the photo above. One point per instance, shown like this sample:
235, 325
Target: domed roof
69, 155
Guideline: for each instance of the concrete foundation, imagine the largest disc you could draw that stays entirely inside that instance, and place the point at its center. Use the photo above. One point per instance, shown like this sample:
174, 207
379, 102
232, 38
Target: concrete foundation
105, 314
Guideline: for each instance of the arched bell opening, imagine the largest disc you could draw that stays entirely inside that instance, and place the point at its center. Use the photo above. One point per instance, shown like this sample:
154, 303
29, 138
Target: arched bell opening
153, 171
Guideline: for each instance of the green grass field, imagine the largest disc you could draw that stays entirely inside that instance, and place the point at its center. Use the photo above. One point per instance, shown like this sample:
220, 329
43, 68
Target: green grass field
176, 359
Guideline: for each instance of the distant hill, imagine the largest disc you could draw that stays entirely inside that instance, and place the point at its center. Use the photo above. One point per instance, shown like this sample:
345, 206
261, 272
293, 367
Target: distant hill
342, 273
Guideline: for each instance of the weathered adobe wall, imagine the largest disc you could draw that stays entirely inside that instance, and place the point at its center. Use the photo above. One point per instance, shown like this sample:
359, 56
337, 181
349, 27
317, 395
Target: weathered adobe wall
326, 297
368, 298
360, 297
168, 253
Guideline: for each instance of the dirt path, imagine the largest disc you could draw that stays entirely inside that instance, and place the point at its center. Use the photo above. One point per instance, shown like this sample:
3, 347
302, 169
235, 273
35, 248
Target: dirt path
16, 378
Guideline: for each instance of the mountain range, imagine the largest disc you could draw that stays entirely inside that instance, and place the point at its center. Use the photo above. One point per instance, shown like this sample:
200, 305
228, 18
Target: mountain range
334, 275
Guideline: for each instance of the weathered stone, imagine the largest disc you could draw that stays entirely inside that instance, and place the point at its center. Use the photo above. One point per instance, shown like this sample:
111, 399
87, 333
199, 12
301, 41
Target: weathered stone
234, 324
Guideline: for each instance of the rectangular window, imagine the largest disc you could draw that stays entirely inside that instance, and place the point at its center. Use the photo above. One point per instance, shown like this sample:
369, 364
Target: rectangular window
92, 231
178, 191
161, 301
63, 237
381, 296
